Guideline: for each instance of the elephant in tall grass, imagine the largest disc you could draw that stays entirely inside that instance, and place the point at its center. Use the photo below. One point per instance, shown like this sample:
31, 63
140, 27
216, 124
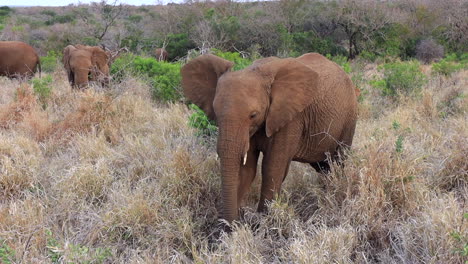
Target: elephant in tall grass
296, 109
18, 60
88, 63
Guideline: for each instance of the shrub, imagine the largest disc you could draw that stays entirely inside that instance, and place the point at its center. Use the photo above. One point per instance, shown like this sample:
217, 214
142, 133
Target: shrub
304, 42
4, 12
38, 35
48, 13
165, 77
201, 122
178, 45
7, 255
239, 62
401, 77
42, 88
448, 65
122, 66
369, 56
342, 61
378, 83
90, 41
428, 50
389, 41
49, 62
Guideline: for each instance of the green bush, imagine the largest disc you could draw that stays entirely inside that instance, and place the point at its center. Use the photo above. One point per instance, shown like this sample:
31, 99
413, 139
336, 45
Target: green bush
165, 77
342, 61
91, 41
7, 255
401, 78
390, 41
135, 18
178, 45
378, 83
42, 88
450, 64
201, 122
4, 12
304, 42
57, 19
239, 62
122, 66
399, 144
131, 42
464, 60
49, 62
368, 56
48, 13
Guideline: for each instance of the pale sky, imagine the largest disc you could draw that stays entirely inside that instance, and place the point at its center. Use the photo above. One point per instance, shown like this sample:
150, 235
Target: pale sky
67, 2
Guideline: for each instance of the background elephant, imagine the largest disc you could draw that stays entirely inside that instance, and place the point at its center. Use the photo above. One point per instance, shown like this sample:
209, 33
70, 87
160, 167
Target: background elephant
294, 109
18, 59
87, 63
161, 54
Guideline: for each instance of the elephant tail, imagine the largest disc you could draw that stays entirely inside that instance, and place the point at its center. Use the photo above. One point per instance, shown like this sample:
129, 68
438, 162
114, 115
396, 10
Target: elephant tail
39, 68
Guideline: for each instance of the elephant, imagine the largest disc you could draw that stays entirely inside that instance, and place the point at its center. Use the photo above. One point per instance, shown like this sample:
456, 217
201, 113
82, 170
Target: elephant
18, 59
88, 63
294, 109
161, 54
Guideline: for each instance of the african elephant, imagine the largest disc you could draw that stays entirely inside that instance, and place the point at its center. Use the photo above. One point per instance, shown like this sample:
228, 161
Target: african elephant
18, 59
86, 63
294, 109
161, 54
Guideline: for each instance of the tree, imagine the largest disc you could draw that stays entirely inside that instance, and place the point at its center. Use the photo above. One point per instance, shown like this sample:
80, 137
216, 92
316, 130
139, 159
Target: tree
359, 20
107, 15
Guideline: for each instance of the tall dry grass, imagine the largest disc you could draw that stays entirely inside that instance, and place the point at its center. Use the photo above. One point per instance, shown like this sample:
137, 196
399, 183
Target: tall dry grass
112, 177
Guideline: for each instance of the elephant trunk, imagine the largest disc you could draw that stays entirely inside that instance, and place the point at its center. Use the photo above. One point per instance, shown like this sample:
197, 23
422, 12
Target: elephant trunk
231, 150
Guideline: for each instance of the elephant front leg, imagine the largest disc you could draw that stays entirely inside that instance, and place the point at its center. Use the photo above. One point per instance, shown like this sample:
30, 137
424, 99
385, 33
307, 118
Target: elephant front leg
247, 174
274, 171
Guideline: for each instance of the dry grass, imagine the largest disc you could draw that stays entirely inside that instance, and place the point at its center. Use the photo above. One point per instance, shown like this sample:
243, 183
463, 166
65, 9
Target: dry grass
111, 177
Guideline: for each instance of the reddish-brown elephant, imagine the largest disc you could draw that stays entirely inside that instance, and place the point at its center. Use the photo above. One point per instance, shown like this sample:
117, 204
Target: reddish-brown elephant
18, 59
161, 54
86, 63
294, 109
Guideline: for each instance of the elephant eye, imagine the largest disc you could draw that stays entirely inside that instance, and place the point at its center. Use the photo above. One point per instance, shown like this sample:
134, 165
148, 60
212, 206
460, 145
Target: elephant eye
253, 115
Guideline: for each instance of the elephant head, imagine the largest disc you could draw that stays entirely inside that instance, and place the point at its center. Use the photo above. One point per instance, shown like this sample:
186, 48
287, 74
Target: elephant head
265, 96
88, 63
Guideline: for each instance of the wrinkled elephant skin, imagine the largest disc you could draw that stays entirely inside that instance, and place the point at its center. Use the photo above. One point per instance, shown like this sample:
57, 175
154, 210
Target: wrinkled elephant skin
294, 109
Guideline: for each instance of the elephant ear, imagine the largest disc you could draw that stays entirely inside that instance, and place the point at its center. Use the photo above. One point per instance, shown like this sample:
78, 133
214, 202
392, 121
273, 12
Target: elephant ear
99, 57
293, 88
66, 56
199, 79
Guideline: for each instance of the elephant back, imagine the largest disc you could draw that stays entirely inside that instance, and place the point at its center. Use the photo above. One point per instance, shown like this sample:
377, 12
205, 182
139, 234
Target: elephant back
18, 58
333, 79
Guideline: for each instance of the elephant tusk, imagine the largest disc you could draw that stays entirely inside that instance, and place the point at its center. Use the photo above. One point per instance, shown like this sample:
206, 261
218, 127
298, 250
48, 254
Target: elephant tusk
245, 158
